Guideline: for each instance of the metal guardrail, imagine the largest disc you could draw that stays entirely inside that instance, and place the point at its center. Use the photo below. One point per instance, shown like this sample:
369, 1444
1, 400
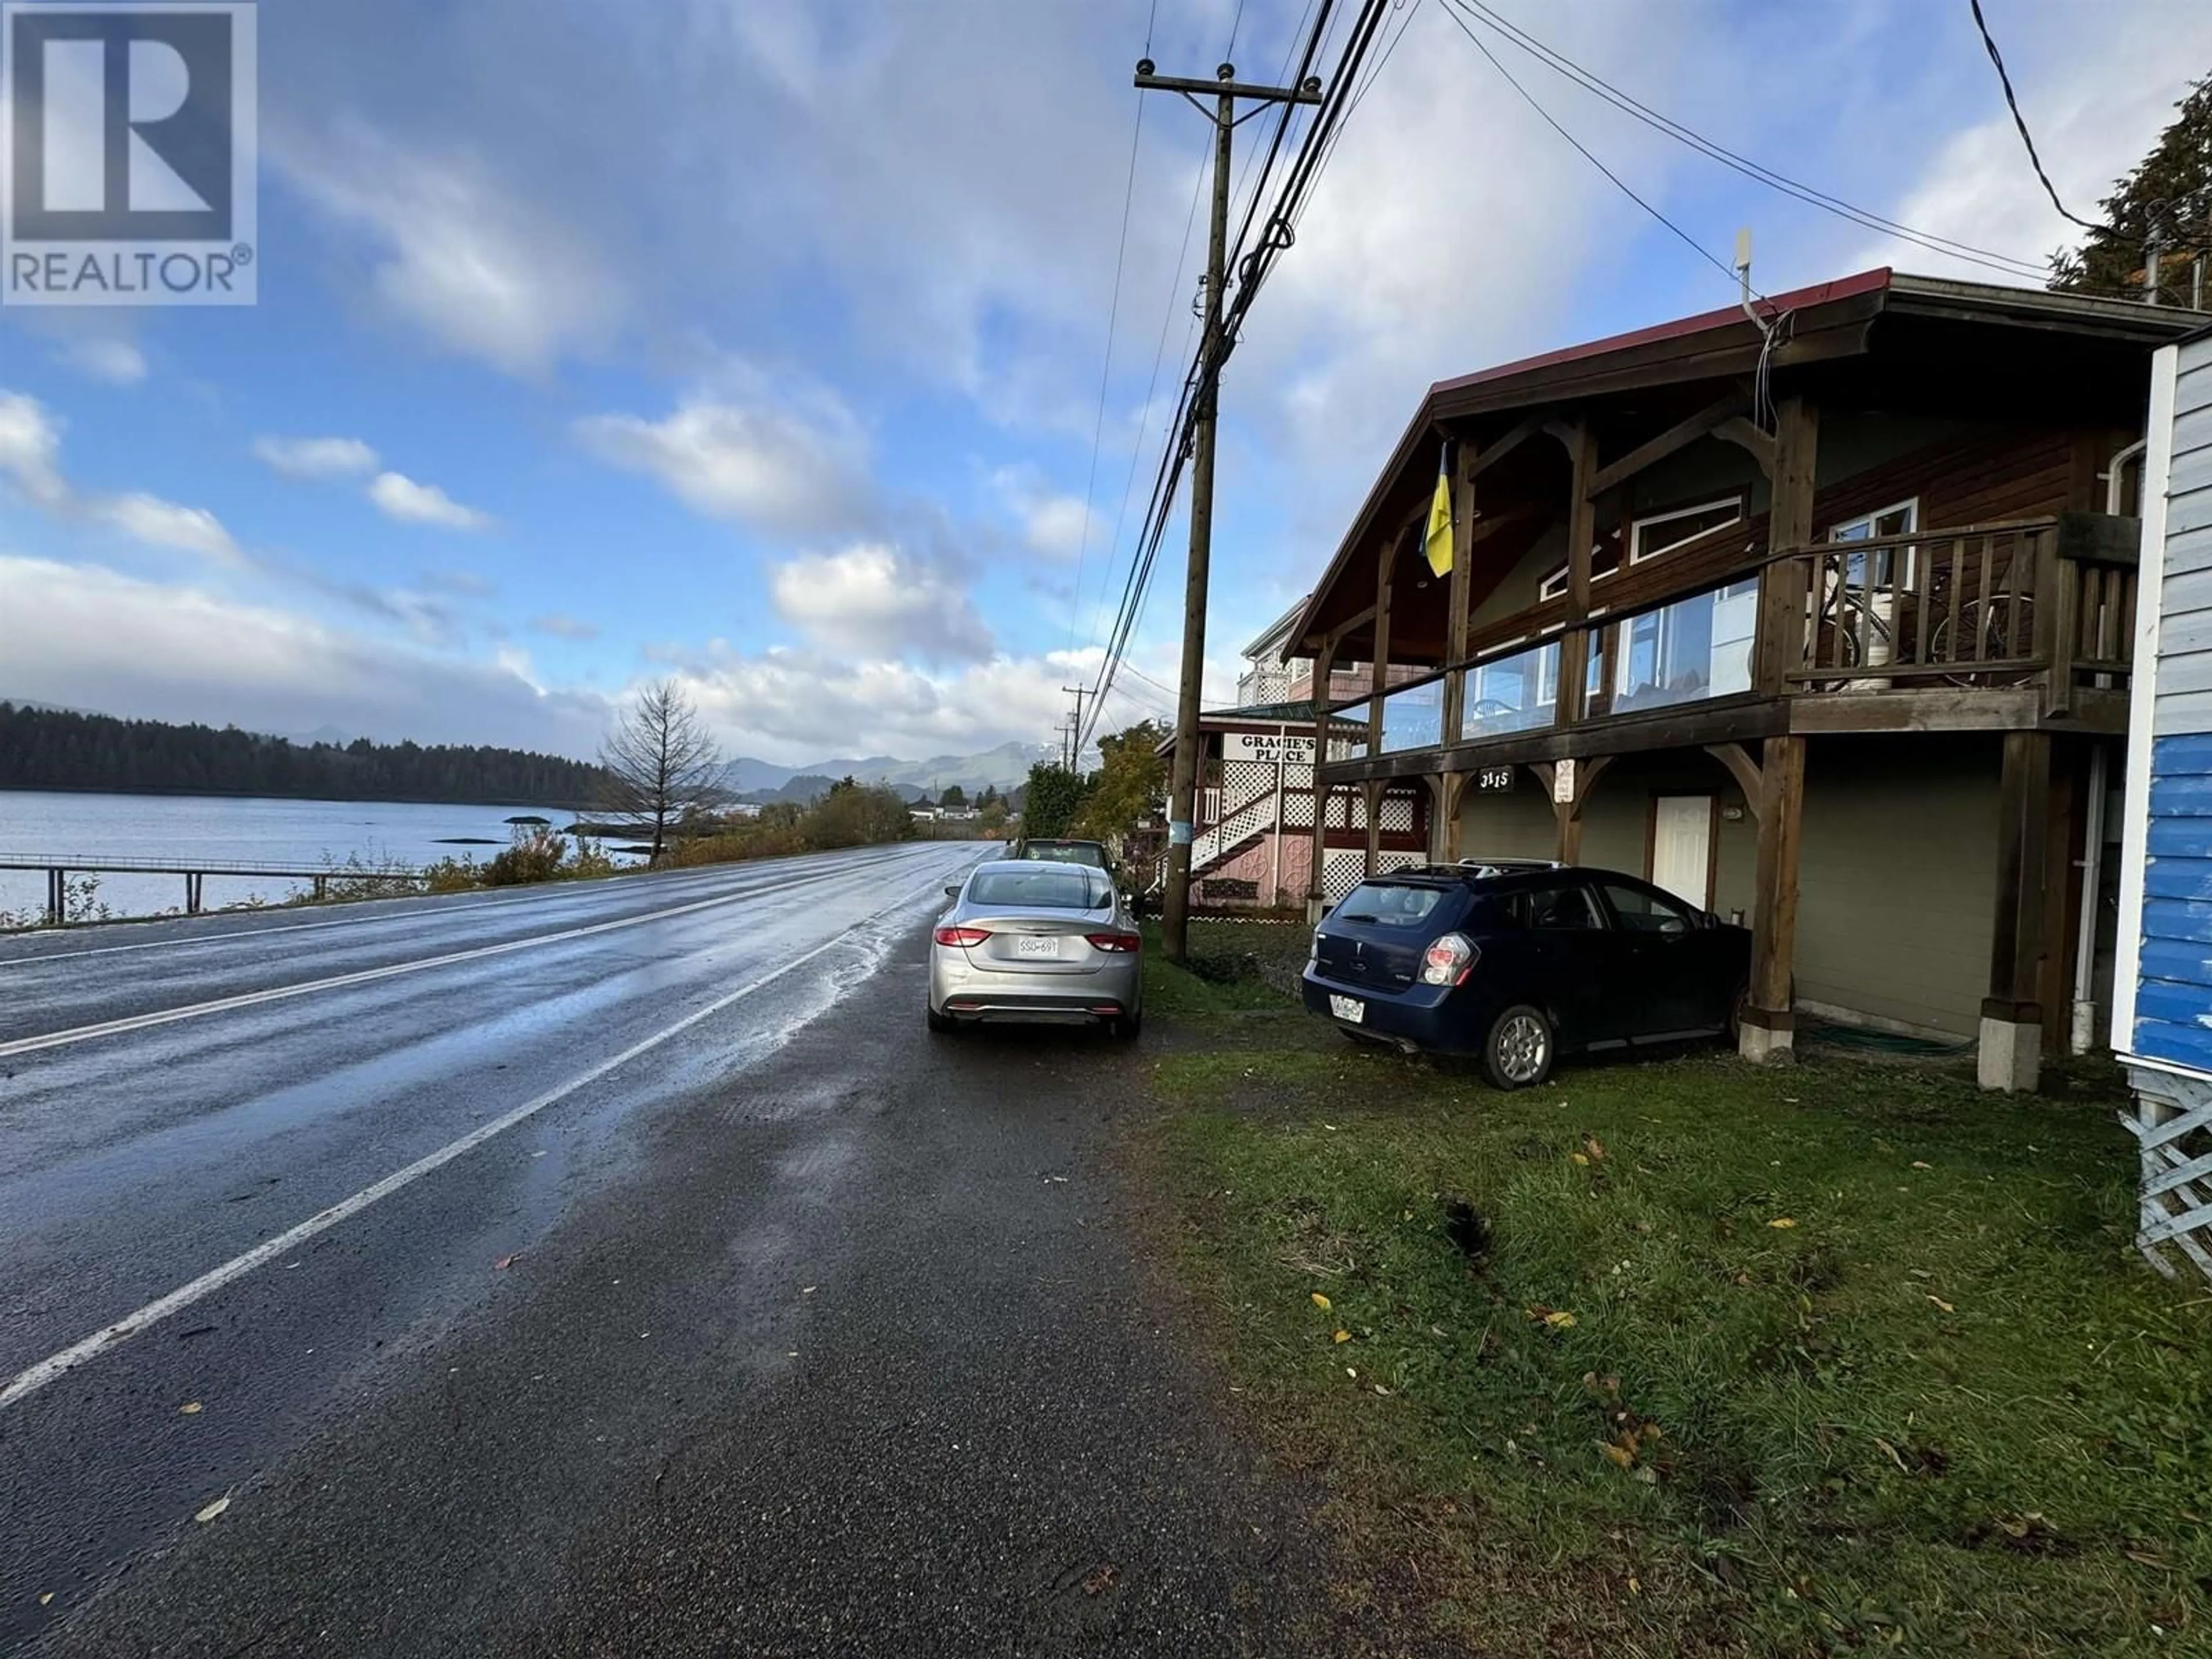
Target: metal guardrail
60, 867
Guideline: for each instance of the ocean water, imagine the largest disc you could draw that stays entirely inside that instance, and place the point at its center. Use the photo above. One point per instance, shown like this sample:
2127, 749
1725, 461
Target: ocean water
307, 833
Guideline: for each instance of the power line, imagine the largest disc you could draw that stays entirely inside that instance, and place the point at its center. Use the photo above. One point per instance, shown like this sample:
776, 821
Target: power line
1105, 373
2020, 121
1796, 189
1688, 241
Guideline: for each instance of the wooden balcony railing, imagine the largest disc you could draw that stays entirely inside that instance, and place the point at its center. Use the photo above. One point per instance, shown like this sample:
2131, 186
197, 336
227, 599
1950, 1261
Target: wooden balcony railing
2047, 603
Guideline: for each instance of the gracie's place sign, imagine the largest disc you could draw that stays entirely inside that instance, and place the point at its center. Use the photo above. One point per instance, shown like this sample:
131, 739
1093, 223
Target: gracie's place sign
1276, 748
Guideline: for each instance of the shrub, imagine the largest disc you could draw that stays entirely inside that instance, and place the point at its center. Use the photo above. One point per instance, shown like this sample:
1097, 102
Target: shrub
536, 855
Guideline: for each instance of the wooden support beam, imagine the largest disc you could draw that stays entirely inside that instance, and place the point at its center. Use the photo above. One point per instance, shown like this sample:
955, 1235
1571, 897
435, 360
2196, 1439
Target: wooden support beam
1373, 792
1455, 792
1785, 584
1582, 535
1378, 667
2012, 1014
1768, 1019
1682, 433
1456, 606
1759, 445
1742, 768
1493, 454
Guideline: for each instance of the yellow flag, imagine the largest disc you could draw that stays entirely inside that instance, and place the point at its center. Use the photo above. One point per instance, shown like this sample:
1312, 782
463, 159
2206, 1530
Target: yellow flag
1439, 544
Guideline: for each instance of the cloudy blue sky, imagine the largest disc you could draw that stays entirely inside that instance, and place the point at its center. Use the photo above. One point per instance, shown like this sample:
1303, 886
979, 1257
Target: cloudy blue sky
760, 342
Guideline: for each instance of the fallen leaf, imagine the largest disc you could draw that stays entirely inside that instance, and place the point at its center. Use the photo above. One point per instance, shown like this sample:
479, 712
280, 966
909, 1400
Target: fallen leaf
1893, 1456
1634, 1589
1619, 1456
1918, 1164
1579, 1158
1596, 1148
806, 1290
213, 1510
1559, 1321
1941, 1304
1101, 1580
1320, 1302
1380, 1389
1344, 1336
506, 1261
47, 1597
190, 1408
1782, 1221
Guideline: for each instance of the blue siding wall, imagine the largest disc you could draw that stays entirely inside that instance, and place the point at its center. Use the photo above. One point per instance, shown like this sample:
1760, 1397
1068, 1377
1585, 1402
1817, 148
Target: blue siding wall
2173, 999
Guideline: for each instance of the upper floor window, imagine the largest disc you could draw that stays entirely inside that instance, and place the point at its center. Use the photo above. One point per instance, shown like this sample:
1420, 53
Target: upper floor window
1651, 536
1901, 519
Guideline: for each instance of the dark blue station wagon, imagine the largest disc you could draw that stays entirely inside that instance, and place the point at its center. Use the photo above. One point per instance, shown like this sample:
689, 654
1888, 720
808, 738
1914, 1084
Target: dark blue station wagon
1515, 964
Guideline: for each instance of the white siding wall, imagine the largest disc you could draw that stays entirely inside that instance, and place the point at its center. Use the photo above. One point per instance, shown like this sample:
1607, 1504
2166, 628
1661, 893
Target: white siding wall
2164, 1009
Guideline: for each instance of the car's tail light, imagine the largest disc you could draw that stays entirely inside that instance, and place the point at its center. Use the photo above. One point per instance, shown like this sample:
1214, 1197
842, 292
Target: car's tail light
1116, 944
961, 935
1448, 960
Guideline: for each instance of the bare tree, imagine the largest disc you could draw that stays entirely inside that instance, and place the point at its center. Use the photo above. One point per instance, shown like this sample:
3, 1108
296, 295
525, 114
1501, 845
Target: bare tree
660, 762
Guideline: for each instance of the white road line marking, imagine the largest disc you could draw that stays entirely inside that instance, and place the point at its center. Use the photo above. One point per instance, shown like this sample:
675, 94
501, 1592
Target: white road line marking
29, 1381
426, 913
392, 970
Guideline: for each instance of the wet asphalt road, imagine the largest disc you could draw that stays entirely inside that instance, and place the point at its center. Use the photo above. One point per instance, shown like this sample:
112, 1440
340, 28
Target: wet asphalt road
751, 1320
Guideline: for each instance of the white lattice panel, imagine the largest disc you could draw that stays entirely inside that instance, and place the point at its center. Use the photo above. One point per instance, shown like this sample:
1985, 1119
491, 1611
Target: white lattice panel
1398, 814
2172, 1122
1386, 862
1244, 783
1298, 811
1342, 869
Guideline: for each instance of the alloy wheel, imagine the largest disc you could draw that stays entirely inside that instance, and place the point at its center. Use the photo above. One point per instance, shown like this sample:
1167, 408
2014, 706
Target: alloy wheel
1523, 1048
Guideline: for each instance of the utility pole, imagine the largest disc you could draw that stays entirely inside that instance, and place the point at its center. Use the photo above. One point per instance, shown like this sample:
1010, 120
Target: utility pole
1183, 779
1078, 692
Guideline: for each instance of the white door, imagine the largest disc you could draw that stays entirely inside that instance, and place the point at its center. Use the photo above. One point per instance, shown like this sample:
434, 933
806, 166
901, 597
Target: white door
1682, 846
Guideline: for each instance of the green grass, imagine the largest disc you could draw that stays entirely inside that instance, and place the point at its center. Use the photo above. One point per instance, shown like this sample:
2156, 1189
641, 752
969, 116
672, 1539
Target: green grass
1948, 1409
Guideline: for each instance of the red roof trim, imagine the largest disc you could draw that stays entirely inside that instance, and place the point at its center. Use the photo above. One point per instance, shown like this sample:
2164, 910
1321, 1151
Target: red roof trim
1843, 287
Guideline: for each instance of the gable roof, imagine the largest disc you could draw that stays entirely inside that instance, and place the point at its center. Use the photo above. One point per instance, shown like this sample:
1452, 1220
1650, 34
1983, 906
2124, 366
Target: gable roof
1819, 323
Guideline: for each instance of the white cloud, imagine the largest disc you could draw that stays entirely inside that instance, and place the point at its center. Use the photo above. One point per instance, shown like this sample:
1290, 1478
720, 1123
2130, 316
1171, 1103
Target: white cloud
871, 599
109, 358
560, 627
158, 523
93, 638
795, 466
316, 458
1052, 524
460, 255
398, 496
2098, 86
31, 449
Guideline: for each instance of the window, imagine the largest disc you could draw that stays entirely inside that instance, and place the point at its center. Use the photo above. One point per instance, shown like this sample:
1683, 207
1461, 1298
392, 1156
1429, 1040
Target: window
1564, 908
1662, 532
1641, 911
1651, 536
1078, 887
1901, 519
1388, 904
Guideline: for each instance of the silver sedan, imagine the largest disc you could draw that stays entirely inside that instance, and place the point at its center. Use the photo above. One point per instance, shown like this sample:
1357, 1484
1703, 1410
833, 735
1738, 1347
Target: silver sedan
1029, 941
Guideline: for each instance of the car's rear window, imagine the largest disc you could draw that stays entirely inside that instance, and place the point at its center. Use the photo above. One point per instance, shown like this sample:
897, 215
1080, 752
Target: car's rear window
1387, 904
1069, 852
1076, 888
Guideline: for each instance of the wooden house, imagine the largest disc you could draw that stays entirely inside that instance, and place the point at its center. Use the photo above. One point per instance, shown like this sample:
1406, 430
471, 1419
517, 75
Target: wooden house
1818, 612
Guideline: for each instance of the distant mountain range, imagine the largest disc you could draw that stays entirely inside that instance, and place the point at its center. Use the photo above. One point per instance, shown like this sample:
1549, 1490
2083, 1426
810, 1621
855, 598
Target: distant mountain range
1002, 768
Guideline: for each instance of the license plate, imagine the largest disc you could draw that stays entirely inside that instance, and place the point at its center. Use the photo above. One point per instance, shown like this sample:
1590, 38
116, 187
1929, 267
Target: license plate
1032, 945
1348, 1008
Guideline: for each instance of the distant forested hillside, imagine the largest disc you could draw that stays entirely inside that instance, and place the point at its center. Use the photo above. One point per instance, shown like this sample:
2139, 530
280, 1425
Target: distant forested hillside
54, 749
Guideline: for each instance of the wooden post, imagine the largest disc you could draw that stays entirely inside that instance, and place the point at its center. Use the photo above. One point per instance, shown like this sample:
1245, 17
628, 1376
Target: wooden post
56, 897
2058, 621
1582, 531
1785, 586
2012, 1014
1372, 793
191, 894
1378, 670
1769, 1024
1455, 614
1323, 669
1455, 793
